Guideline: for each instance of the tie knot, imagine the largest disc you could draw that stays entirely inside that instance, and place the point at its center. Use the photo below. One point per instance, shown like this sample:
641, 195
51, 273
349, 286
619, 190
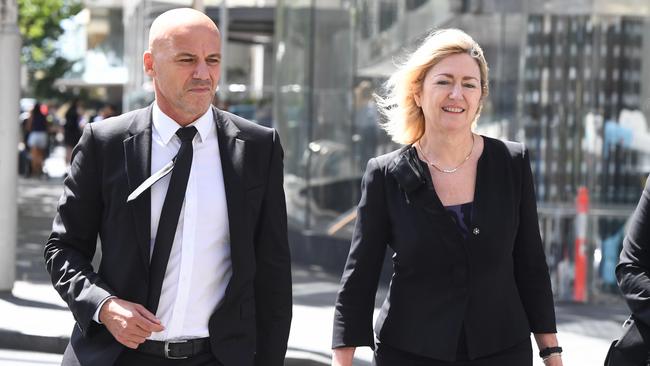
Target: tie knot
186, 134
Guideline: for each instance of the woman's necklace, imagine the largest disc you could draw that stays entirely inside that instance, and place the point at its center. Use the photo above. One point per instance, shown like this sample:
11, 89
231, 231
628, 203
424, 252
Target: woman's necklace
442, 170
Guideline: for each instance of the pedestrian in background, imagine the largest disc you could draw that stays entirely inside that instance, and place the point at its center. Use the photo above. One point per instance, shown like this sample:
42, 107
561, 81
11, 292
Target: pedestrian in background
195, 266
38, 138
365, 120
106, 111
71, 129
470, 280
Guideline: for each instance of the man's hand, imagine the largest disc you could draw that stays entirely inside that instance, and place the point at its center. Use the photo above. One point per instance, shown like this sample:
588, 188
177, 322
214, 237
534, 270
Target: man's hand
128, 322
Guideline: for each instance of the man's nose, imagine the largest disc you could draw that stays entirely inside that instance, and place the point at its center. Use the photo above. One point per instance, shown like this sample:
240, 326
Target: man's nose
201, 71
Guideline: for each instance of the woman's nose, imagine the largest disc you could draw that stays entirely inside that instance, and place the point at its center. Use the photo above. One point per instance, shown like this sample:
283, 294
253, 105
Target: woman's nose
456, 91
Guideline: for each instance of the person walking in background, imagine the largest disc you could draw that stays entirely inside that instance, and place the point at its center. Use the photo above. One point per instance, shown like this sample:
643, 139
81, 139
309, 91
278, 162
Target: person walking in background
470, 280
106, 111
365, 120
71, 129
189, 205
38, 138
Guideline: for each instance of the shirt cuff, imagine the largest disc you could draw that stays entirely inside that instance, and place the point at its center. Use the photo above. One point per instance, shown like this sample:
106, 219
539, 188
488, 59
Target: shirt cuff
96, 315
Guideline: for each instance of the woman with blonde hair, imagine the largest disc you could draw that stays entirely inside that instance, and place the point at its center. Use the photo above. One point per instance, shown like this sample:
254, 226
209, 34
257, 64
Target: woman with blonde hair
470, 281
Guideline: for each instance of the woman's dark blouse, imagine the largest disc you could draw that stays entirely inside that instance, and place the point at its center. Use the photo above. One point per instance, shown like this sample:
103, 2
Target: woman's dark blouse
462, 216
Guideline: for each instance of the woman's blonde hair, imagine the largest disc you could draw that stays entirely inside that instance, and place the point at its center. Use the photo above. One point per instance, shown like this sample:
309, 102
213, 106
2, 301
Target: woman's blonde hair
405, 120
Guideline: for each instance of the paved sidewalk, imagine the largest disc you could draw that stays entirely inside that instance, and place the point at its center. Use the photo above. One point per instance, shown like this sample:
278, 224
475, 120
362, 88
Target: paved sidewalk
35, 318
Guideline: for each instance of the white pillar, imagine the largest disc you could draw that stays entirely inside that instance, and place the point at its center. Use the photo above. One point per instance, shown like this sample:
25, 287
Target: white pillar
10, 42
198, 5
257, 71
223, 28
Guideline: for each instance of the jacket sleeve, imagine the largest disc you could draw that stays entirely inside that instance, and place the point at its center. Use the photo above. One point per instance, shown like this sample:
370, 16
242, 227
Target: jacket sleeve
273, 268
531, 271
633, 269
72, 243
356, 298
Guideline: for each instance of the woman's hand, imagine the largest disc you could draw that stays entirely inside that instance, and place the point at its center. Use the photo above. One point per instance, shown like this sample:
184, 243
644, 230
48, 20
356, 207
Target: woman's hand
343, 356
545, 340
553, 361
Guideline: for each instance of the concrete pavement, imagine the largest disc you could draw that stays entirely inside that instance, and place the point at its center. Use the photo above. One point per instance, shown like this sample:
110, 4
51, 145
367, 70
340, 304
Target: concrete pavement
35, 318
28, 358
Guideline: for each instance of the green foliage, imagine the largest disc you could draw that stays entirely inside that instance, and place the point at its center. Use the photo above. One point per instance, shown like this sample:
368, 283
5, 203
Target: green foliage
40, 25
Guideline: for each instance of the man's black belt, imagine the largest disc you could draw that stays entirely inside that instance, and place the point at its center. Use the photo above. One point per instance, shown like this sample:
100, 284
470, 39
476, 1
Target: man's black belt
175, 350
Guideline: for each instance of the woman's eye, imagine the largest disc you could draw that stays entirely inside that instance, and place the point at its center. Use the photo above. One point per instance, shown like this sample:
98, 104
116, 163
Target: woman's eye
470, 86
442, 82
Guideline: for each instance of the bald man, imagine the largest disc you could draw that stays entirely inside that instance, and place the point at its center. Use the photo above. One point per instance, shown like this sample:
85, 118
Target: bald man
188, 204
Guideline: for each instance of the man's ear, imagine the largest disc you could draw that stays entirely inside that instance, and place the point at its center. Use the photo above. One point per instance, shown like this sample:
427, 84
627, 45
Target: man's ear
147, 63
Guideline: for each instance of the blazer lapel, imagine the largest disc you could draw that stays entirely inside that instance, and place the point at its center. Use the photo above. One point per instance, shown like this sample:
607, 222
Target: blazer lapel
419, 192
232, 152
407, 171
137, 152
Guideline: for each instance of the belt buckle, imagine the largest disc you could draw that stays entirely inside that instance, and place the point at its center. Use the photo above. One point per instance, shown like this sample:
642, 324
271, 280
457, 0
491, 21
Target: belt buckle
166, 349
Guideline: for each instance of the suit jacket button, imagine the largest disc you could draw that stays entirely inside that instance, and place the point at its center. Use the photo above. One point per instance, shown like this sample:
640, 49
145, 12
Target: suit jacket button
476, 231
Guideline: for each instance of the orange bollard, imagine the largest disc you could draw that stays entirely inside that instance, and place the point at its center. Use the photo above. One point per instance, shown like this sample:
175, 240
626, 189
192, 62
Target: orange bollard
580, 282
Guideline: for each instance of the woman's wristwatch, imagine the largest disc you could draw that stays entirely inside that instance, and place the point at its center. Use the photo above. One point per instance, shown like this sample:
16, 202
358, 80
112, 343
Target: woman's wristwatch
550, 352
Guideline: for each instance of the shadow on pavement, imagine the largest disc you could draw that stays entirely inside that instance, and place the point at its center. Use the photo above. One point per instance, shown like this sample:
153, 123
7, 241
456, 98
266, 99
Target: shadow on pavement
37, 201
9, 297
314, 286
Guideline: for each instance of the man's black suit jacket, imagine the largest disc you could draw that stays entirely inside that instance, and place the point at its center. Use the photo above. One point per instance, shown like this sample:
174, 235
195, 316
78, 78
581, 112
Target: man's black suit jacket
113, 157
495, 283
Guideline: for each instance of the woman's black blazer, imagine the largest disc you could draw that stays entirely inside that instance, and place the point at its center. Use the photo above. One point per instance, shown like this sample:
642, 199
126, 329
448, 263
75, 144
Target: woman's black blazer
633, 269
495, 283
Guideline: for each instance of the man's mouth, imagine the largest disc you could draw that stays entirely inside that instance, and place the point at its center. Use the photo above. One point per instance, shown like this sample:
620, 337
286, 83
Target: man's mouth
200, 90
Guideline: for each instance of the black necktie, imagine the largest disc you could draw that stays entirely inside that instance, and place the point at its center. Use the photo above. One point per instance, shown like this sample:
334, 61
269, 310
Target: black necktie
169, 216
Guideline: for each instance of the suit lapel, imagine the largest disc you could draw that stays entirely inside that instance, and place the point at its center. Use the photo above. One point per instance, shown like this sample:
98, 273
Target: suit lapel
232, 152
419, 192
137, 151
407, 171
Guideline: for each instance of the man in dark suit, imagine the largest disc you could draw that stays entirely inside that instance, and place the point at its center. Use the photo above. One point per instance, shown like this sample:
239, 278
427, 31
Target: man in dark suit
188, 204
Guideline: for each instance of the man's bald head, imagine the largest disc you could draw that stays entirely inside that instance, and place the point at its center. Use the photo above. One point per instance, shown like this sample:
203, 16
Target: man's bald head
184, 62
178, 20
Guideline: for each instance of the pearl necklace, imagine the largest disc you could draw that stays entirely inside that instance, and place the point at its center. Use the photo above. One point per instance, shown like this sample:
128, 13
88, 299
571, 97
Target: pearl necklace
442, 170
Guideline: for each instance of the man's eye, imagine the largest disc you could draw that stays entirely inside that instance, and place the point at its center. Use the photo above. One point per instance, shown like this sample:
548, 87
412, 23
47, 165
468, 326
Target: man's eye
214, 61
186, 60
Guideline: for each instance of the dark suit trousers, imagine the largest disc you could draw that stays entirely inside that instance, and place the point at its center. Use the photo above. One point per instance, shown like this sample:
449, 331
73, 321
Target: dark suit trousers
520, 354
131, 357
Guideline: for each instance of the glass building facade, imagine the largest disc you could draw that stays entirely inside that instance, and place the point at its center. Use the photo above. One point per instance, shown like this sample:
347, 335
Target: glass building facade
569, 78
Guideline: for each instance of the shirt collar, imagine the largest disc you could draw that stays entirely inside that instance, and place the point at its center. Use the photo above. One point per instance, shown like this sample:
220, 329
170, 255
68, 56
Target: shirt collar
166, 126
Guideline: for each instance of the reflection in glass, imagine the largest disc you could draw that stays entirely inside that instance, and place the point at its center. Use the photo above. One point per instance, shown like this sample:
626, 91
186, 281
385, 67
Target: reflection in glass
571, 80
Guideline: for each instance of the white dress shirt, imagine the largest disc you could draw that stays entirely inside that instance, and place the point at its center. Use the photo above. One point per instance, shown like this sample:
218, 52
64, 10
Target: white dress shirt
199, 266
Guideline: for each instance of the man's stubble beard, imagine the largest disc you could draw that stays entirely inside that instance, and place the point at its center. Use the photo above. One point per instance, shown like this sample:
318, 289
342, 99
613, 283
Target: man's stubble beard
193, 107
